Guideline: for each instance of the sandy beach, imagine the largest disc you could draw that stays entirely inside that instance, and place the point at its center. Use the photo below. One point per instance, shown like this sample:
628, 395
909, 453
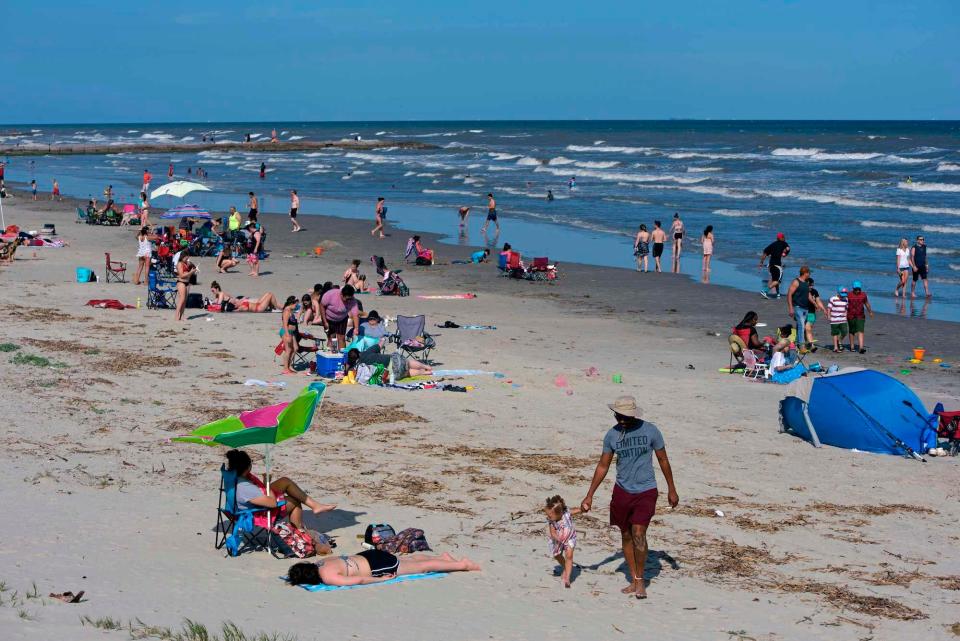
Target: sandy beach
813, 543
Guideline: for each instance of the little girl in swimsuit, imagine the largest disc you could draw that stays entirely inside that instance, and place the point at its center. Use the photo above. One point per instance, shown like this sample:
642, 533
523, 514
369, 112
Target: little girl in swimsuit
561, 534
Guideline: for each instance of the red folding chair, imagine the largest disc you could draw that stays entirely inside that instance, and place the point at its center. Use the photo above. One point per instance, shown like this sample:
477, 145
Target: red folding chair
116, 270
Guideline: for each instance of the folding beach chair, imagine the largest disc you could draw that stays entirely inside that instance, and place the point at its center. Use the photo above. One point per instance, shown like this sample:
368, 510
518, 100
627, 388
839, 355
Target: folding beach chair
82, 216
116, 270
753, 368
161, 291
305, 355
237, 529
737, 348
411, 338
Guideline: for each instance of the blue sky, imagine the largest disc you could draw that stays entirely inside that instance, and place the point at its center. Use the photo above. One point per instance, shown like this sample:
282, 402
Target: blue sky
96, 61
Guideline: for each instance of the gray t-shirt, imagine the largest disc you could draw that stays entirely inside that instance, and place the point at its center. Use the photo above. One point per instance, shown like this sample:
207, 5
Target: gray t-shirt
634, 449
247, 491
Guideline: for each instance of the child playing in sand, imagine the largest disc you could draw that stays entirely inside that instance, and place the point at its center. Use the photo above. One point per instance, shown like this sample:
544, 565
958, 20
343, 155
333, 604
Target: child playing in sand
562, 534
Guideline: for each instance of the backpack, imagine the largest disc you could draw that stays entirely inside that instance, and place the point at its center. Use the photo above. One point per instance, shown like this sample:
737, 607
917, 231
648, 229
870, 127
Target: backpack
406, 542
299, 544
377, 532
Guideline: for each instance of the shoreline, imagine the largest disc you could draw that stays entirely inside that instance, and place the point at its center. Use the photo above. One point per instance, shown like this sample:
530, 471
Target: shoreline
279, 146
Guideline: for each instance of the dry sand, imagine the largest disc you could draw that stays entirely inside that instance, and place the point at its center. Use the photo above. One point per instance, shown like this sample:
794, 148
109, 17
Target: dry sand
814, 544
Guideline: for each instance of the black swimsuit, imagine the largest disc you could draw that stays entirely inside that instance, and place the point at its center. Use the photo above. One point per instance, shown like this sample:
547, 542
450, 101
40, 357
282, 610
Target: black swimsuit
381, 563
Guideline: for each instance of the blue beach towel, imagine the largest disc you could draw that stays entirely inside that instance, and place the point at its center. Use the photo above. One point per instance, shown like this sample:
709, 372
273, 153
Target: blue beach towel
400, 579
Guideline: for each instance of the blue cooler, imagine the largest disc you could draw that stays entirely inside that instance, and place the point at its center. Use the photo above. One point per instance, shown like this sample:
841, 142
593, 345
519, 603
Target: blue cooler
84, 274
329, 364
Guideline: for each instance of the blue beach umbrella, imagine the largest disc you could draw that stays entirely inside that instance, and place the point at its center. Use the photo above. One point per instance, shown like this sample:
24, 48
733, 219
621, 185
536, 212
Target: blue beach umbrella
186, 211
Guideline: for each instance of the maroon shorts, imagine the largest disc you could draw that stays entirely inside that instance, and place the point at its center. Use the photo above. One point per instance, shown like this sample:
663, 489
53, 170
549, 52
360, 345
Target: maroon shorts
628, 509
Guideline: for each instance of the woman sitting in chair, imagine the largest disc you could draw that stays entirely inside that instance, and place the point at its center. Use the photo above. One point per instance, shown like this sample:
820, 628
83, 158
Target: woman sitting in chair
266, 303
374, 566
286, 498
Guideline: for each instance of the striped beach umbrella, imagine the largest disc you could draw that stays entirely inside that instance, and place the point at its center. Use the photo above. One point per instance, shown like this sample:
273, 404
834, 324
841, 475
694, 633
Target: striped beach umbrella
186, 211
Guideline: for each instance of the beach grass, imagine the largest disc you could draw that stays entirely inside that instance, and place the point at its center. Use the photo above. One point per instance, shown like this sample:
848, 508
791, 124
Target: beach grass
36, 361
189, 631
8, 347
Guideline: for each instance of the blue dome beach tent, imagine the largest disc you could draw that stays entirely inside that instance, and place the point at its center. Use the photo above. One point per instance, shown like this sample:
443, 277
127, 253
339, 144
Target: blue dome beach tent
859, 409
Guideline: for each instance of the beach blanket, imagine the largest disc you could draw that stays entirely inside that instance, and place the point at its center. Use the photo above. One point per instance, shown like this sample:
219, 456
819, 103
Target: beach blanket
400, 579
447, 296
462, 372
449, 325
108, 303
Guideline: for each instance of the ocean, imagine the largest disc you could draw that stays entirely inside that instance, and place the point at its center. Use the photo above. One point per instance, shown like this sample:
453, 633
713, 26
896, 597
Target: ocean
844, 193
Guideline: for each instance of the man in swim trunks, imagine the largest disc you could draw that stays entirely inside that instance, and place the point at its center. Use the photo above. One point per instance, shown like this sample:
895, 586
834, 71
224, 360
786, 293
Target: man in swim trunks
776, 252
294, 208
491, 214
634, 501
919, 266
253, 204
374, 566
659, 237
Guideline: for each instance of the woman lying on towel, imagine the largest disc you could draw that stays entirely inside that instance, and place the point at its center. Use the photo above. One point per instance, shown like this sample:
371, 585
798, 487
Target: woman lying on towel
374, 566
228, 303
398, 366
251, 492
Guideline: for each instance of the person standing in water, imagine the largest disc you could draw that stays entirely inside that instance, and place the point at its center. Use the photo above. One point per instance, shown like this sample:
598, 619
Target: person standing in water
918, 261
170, 171
263, 170
549, 195
294, 208
464, 212
707, 242
903, 267
634, 502
775, 251
491, 215
676, 230
659, 237
378, 217
641, 248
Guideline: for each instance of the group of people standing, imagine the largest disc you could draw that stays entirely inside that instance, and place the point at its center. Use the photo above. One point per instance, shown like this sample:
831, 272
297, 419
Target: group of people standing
656, 239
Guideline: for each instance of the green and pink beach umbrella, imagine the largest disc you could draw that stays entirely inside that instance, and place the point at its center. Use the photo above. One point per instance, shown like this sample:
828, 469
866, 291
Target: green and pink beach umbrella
265, 426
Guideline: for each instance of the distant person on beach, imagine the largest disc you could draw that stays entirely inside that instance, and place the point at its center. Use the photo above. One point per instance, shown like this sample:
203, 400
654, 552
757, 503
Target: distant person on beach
108, 192
144, 253
746, 329
395, 365
263, 169
707, 241
676, 232
634, 502
920, 266
549, 195
378, 217
254, 207
267, 302
572, 183
561, 534
289, 333
857, 308
463, 212
354, 278
903, 268
480, 256
225, 259
659, 237
837, 306
641, 248
170, 171
186, 271
294, 208
491, 215
817, 304
775, 251
33, 188
800, 302
144, 206
55, 194
247, 138
273, 136
254, 244
338, 307
146, 180
373, 566
233, 224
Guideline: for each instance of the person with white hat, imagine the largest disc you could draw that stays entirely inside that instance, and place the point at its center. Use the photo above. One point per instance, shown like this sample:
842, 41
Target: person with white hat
634, 501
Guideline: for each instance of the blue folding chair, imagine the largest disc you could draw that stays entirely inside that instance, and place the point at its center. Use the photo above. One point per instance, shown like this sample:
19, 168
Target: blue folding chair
235, 527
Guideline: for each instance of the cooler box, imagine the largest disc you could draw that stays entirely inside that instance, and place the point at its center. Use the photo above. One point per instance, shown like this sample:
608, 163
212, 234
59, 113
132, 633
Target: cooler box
329, 364
84, 275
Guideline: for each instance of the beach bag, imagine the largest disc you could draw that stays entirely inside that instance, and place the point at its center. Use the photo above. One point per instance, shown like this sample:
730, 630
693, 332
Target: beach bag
405, 542
363, 374
194, 301
376, 533
299, 544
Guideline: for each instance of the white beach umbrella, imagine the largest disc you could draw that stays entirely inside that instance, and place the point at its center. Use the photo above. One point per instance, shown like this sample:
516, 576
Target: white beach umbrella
178, 188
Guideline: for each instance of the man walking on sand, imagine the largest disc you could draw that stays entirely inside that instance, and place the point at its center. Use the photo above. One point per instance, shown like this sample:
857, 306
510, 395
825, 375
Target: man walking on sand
799, 304
775, 251
919, 265
491, 215
294, 208
146, 180
634, 501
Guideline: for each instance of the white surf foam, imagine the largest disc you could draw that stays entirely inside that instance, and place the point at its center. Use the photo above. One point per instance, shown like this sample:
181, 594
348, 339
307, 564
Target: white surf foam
295, 138
588, 164
923, 186
877, 223
475, 131
739, 213
795, 151
948, 166
457, 192
624, 177
496, 155
700, 170
527, 161
609, 149
561, 160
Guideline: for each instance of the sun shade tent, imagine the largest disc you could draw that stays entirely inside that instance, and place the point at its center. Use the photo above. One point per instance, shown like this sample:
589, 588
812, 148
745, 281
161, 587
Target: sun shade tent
265, 426
858, 409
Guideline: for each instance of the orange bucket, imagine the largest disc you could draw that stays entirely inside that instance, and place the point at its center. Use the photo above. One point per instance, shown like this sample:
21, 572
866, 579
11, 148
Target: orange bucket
318, 250
918, 353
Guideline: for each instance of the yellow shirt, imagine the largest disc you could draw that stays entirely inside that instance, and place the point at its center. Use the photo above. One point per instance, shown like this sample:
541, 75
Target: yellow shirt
235, 221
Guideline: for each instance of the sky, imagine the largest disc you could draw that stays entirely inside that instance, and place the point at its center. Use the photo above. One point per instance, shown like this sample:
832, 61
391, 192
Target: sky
76, 61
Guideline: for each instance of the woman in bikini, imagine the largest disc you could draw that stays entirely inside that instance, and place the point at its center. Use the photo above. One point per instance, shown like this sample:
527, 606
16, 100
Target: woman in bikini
676, 230
144, 254
185, 272
354, 278
707, 242
290, 330
225, 259
374, 566
266, 303
641, 248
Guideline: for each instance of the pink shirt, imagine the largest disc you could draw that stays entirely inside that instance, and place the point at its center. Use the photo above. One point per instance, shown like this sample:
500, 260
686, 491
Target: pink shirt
335, 309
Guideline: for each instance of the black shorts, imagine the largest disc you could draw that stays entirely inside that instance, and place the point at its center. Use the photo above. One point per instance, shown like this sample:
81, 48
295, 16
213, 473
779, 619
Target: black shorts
776, 272
657, 250
678, 236
381, 563
920, 273
491, 214
252, 215
337, 328
293, 212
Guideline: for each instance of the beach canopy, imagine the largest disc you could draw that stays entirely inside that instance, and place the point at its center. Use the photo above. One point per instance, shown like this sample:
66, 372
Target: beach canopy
860, 409
186, 211
178, 188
